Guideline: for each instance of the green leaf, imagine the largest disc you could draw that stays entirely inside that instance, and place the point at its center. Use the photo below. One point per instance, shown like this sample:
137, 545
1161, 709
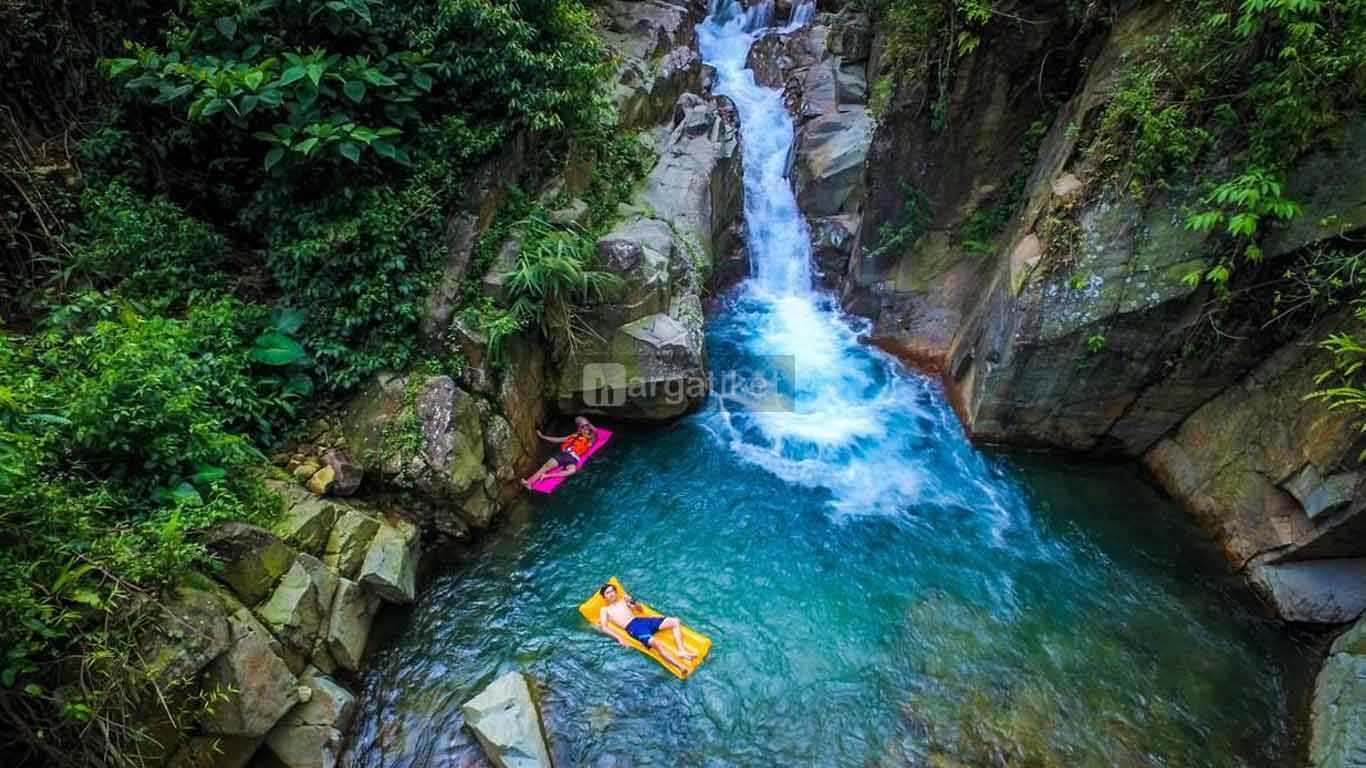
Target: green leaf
298, 384
7, 677
422, 80
33, 689
315, 73
226, 26
184, 493
214, 107
119, 66
87, 597
275, 348
288, 320
350, 150
306, 146
253, 80
207, 474
293, 74
355, 90
274, 157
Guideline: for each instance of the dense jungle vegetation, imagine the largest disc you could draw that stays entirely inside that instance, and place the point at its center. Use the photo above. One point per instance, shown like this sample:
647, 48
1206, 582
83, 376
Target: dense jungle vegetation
216, 212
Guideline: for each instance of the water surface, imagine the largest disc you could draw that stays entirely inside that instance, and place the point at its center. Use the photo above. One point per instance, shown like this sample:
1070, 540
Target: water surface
878, 591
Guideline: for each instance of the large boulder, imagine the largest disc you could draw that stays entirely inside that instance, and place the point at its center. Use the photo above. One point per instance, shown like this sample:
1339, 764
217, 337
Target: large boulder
646, 359
654, 42
306, 525
349, 540
193, 632
310, 736
830, 154
1337, 724
390, 566
1314, 591
259, 686
424, 434
504, 719
348, 628
250, 559
299, 607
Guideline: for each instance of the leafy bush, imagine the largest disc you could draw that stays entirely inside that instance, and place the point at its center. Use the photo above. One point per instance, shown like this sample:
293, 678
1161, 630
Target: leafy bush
121, 435
150, 248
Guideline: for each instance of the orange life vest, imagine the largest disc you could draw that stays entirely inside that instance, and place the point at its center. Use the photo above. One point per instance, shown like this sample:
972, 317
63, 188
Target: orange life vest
577, 444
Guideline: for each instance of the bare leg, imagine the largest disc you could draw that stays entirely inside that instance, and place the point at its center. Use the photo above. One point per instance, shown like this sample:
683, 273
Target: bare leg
539, 474
565, 472
677, 627
669, 656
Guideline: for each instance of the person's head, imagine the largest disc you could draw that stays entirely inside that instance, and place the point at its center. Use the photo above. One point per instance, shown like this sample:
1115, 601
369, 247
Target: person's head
582, 426
609, 593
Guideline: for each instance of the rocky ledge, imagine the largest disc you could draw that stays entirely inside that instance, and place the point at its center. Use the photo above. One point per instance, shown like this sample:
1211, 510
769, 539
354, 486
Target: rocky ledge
271, 636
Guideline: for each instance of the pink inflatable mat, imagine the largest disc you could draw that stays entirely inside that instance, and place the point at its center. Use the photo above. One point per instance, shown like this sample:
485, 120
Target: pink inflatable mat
549, 484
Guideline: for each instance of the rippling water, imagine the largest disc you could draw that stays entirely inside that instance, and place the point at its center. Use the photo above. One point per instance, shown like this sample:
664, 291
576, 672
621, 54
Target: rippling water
878, 591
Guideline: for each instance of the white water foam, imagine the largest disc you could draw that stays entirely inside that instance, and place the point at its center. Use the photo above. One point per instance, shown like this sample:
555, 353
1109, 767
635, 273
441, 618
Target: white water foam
878, 440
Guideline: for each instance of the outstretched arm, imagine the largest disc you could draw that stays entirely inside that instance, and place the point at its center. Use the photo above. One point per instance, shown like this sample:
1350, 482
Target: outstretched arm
549, 438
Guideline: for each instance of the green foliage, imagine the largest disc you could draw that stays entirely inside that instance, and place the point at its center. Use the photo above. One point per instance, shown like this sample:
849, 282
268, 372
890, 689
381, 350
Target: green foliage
1095, 343
552, 280
925, 41
150, 248
1343, 386
121, 434
915, 217
1260, 81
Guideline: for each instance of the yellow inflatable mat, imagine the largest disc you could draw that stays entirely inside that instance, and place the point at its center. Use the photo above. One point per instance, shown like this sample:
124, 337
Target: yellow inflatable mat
696, 643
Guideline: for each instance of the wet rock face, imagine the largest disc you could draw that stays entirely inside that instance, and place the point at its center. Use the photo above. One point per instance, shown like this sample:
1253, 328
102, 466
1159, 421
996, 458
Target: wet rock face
647, 359
1338, 715
426, 435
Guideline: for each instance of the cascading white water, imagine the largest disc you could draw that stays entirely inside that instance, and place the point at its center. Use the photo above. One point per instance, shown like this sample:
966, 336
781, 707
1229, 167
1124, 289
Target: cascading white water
860, 425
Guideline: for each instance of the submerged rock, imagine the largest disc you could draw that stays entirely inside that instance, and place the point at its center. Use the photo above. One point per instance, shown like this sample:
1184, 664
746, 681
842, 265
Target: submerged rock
504, 719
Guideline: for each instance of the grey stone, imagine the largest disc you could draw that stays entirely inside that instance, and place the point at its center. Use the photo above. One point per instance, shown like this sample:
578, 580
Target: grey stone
1315, 591
504, 719
349, 540
261, 688
1337, 724
347, 474
251, 559
828, 170
298, 609
390, 566
348, 628
307, 524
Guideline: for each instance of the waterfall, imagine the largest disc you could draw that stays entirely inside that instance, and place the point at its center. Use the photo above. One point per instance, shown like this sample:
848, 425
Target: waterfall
859, 426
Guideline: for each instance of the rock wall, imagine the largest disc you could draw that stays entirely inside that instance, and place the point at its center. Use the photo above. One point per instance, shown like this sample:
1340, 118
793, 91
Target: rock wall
1337, 725
275, 633
645, 357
